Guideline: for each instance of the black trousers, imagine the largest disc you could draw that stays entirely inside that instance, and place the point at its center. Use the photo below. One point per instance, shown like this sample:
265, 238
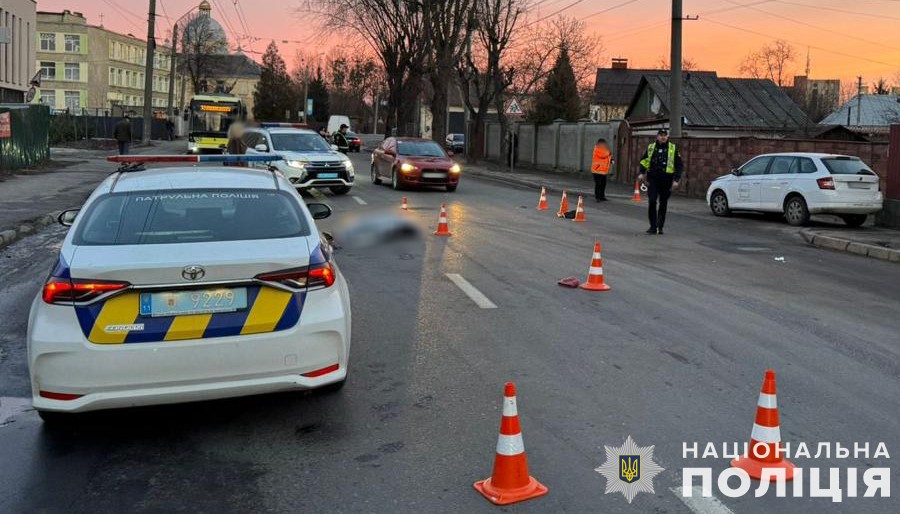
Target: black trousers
599, 186
658, 193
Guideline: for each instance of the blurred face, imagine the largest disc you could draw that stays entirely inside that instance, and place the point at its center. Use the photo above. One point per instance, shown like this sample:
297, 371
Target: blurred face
662, 138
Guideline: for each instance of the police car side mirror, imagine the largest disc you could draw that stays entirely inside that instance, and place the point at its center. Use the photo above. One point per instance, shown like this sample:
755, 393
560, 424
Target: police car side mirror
334, 148
67, 218
319, 211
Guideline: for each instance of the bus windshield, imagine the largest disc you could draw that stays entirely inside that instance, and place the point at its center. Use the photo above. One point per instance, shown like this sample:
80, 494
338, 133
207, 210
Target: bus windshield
214, 116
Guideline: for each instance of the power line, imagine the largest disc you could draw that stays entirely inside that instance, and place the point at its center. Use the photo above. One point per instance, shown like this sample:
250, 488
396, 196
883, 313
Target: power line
554, 13
601, 11
835, 52
843, 11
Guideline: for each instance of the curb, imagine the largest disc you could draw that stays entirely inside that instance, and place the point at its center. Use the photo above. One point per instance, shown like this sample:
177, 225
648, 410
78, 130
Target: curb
848, 246
8, 237
515, 181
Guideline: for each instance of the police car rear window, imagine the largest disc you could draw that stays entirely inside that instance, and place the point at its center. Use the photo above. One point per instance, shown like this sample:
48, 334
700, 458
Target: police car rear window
190, 216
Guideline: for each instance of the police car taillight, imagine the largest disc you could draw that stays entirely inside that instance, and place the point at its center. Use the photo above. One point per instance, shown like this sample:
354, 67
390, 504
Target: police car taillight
318, 275
64, 290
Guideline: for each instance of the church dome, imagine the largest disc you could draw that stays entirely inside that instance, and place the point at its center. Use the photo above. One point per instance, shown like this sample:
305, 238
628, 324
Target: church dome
204, 31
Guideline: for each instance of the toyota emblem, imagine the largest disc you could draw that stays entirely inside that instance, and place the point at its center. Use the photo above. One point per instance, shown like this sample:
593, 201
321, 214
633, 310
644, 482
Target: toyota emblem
193, 272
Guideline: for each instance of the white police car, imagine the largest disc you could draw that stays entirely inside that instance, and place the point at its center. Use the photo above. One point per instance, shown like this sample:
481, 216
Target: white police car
184, 284
308, 160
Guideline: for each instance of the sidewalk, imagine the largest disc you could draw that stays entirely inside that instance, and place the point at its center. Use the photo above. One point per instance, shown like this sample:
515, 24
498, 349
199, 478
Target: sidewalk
868, 241
31, 199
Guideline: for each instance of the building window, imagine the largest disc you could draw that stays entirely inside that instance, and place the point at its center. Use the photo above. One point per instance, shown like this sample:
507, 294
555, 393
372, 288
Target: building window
48, 70
73, 100
73, 71
112, 76
73, 43
48, 42
48, 97
119, 77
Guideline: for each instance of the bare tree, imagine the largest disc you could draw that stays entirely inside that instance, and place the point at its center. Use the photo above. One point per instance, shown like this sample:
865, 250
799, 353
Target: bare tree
687, 64
394, 30
881, 87
849, 89
770, 62
538, 47
484, 77
201, 43
446, 26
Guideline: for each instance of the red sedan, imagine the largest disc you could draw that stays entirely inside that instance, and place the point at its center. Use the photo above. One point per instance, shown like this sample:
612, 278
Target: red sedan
414, 162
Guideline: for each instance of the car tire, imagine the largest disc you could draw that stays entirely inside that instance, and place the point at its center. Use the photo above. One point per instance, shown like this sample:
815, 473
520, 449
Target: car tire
340, 190
854, 220
451, 189
375, 178
395, 181
795, 211
718, 203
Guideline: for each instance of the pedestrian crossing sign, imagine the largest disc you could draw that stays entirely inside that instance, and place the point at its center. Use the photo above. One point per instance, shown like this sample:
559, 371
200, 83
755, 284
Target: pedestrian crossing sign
513, 107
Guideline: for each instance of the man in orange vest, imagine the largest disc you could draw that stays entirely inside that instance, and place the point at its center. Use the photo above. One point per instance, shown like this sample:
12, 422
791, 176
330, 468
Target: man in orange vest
600, 165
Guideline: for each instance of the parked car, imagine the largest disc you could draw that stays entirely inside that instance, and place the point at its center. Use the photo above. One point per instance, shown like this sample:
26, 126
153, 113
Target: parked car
455, 143
309, 161
799, 185
354, 141
412, 162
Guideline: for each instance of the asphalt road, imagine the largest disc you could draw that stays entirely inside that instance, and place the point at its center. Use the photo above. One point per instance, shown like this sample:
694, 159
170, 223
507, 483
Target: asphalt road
674, 353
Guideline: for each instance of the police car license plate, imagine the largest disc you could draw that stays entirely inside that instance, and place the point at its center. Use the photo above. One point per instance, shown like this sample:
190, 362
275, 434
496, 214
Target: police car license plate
433, 174
200, 301
327, 175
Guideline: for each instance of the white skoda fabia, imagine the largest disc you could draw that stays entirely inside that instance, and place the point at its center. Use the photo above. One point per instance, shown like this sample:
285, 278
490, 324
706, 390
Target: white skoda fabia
184, 284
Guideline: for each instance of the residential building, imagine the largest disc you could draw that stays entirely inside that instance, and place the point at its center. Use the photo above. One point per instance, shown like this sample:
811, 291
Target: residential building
615, 87
17, 27
870, 116
718, 106
818, 97
89, 69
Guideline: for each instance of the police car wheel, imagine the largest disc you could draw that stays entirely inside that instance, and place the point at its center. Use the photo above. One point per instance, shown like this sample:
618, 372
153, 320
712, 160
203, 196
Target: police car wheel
718, 204
375, 178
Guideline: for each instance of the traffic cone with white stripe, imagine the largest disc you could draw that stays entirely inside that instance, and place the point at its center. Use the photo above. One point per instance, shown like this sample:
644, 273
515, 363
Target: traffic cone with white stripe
765, 437
542, 203
636, 197
403, 205
595, 280
579, 210
443, 227
510, 482
563, 205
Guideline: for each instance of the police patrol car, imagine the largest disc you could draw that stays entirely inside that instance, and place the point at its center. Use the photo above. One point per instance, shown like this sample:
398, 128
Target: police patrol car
183, 284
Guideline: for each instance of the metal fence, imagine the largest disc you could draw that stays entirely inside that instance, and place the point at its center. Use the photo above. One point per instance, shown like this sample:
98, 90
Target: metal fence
29, 143
561, 146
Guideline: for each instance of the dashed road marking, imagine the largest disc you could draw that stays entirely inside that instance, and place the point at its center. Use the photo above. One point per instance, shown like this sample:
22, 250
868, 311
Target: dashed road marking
700, 505
359, 200
470, 290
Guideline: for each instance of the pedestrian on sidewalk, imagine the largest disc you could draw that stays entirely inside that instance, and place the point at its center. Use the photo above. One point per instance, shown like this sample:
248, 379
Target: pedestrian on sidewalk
170, 129
600, 164
122, 134
662, 167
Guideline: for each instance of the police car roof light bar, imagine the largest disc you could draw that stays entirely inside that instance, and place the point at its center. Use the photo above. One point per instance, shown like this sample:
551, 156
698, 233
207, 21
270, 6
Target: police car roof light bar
282, 124
223, 158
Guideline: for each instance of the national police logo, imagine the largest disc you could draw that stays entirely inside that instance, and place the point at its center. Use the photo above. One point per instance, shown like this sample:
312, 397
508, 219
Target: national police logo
629, 469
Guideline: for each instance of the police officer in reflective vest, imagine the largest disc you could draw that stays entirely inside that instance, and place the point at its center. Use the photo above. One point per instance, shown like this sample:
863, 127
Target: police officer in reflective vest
661, 167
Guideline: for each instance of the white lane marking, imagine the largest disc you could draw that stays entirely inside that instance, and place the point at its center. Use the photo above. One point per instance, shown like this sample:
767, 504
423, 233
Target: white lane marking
700, 505
359, 200
476, 295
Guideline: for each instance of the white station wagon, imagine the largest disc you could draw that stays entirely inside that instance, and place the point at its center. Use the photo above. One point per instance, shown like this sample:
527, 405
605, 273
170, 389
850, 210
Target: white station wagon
799, 185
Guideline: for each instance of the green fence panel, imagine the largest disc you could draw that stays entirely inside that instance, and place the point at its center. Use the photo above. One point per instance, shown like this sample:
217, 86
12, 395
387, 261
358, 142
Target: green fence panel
30, 142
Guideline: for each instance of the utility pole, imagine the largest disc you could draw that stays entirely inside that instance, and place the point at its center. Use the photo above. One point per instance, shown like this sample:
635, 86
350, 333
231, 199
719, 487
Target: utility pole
305, 93
170, 104
675, 99
148, 73
859, 92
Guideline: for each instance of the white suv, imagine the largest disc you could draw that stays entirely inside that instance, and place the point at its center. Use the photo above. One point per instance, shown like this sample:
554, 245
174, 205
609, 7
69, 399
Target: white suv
308, 160
798, 185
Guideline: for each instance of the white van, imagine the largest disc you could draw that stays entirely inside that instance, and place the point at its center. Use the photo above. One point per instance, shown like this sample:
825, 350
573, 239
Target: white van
335, 121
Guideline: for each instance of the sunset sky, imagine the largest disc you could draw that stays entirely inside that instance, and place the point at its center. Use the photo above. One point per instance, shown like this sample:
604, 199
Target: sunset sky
845, 39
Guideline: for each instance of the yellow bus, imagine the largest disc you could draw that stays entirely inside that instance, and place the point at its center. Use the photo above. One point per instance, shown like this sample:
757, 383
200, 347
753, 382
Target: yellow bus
209, 117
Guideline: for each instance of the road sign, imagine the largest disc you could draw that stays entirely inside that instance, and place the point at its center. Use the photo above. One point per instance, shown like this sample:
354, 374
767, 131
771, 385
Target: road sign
29, 95
513, 107
309, 106
5, 125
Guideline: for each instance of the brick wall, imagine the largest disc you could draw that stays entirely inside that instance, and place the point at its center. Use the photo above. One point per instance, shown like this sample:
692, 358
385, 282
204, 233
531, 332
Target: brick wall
707, 158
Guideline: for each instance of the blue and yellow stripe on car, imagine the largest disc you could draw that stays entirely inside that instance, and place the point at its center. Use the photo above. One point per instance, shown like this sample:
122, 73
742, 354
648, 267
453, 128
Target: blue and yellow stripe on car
117, 320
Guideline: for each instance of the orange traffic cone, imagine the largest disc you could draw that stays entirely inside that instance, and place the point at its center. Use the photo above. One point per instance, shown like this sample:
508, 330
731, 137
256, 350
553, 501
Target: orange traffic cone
637, 192
563, 205
443, 226
579, 210
595, 274
542, 203
765, 437
510, 482
403, 205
